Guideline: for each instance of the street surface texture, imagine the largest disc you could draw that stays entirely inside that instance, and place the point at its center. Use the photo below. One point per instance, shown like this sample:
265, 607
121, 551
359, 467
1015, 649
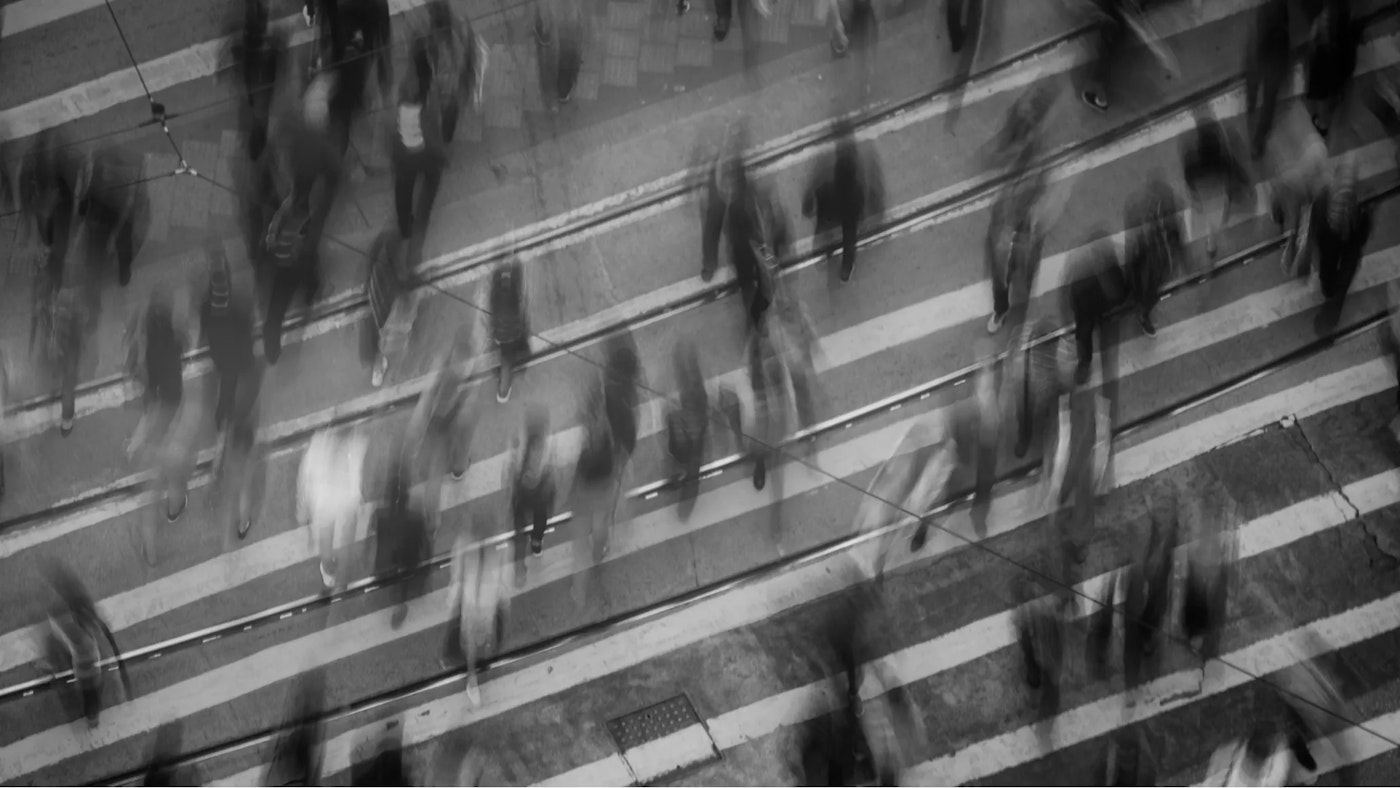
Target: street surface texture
1298, 464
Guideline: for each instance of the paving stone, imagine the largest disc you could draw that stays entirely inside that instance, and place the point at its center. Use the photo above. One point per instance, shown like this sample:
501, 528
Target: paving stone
662, 30
625, 15
657, 59
697, 23
620, 72
694, 53
623, 43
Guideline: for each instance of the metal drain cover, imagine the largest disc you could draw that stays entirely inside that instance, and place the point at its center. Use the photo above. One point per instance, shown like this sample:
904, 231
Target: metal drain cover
663, 739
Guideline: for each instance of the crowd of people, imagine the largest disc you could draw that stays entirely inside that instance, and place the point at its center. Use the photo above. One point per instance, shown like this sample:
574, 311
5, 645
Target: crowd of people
82, 212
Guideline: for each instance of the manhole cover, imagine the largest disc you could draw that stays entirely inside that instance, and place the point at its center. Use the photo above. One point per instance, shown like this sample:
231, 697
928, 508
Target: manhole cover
663, 739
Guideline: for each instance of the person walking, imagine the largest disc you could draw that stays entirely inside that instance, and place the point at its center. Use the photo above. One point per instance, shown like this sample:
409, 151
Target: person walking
156, 340
1015, 238
529, 478
845, 189
330, 492
444, 421
1341, 227
559, 30
393, 302
292, 252
1269, 52
73, 638
1215, 179
1153, 222
227, 326
459, 58
1331, 61
510, 323
419, 153
402, 542
480, 607
688, 425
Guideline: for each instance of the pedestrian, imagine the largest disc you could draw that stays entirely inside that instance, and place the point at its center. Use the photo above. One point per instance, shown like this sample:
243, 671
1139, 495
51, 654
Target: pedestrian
1269, 54
393, 303
480, 607
1341, 226
529, 478
419, 153
459, 59
240, 473
1331, 61
963, 19
1128, 759
1390, 344
402, 542
290, 246
597, 479
1215, 178
227, 325
156, 341
1015, 238
910, 483
510, 323
559, 29
1097, 286
845, 189
1041, 377
687, 424
1110, 35
74, 635
112, 201
748, 28
162, 769
1153, 223
385, 764
260, 57
355, 32
65, 350
1147, 592
1040, 631
444, 422
296, 758
1303, 181
330, 492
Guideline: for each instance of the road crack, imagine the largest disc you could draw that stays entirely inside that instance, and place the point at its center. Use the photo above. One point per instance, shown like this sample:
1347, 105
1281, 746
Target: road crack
1355, 511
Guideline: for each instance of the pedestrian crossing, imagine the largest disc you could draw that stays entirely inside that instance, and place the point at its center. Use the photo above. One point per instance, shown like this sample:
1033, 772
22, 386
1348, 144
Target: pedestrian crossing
733, 646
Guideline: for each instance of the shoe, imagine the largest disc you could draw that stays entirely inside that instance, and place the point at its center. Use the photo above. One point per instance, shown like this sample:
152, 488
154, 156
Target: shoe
536, 545
65, 427
682, 7
1210, 247
1095, 100
376, 377
760, 475
1147, 327
327, 577
503, 395
920, 538
171, 517
839, 48
995, 322
707, 273
244, 526
846, 271
473, 691
458, 475
721, 29
400, 613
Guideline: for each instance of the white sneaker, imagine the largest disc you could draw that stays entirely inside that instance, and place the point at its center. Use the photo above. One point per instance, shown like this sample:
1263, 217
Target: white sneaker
995, 322
327, 578
376, 377
473, 691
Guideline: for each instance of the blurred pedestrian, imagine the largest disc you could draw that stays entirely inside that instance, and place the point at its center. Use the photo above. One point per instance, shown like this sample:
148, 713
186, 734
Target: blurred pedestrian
1269, 54
260, 59
291, 248
329, 495
112, 199
687, 424
1015, 237
459, 58
1110, 36
559, 36
846, 188
1153, 223
1147, 592
296, 758
353, 32
419, 152
529, 480
459, 763
385, 765
910, 482
226, 322
1341, 225
1215, 178
1097, 286
963, 19
444, 420
1331, 61
73, 641
749, 14
156, 341
64, 348
1042, 376
162, 769
402, 541
510, 323
479, 607
1040, 631
1128, 759
393, 302
1390, 344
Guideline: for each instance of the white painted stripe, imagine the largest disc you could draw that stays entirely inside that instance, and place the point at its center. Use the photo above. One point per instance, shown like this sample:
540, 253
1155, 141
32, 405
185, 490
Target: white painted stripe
1161, 695
742, 607
29, 14
610, 771
911, 324
31, 423
680, 750
982, 638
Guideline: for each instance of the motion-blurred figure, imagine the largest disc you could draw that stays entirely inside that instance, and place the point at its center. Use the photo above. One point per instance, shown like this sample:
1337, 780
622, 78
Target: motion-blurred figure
1215, 178
1383, 100
1390, 343
688, 424
529, 478
1268, 65
1096, 287
296, 760
1147, 593
355, 33
393, 305
64, 348
510, 323
1040, 634
1331, 61
419, 151
402, 540
259, 59
963, 19
385, 767
1153, 221
156, 341
1108, 16
1303, 180
750, 14
1128, 759
459, 57
610, 436
111, 202
846, 188
164, 753
1341, 225
444, 420
1206, 591
330, 491
460, 763
73, 641
479, 604
226, 320
749, 218
559, 36
1015, 236
291, 249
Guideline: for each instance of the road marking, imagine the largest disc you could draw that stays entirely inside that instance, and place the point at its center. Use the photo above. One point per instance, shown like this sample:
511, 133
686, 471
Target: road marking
905, 326
772, 595
1355, 745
